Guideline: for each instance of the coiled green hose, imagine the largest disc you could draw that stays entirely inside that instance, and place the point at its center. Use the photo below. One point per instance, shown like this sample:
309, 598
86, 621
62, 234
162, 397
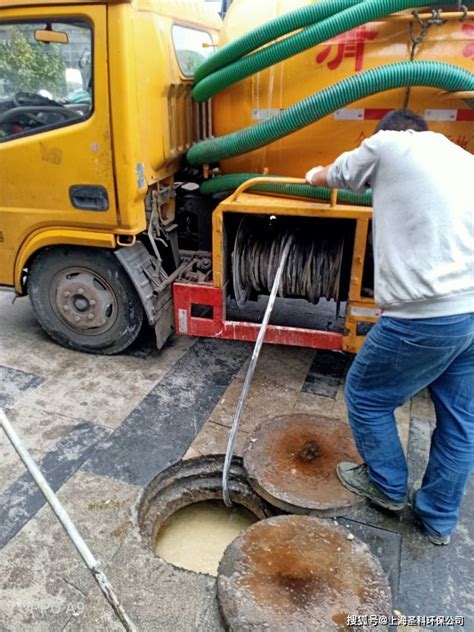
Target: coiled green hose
349, 18
230, 182
412, 73
281, 25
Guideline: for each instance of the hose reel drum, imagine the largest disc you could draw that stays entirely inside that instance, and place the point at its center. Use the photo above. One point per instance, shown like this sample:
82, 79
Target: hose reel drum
318, 264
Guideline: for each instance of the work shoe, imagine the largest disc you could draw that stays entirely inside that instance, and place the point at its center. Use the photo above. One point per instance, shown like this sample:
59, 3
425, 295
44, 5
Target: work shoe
356, 478
439, 540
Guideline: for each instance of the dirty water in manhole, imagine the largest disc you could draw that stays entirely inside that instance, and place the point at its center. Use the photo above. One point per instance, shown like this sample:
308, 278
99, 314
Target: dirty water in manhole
183, 520
196, 536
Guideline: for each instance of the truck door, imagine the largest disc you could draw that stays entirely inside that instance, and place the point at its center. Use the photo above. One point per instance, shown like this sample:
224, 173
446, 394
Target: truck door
56, 167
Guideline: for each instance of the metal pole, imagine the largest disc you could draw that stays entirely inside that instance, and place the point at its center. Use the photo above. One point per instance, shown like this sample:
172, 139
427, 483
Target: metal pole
67, 523
250, 374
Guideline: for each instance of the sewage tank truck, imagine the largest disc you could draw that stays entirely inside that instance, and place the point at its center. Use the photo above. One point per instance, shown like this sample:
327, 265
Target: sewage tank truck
131, 132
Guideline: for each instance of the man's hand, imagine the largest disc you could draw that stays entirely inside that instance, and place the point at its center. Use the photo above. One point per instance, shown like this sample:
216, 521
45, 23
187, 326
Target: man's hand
318, 176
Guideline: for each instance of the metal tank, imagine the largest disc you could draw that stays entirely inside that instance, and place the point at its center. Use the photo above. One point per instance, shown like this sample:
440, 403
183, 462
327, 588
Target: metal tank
396, 38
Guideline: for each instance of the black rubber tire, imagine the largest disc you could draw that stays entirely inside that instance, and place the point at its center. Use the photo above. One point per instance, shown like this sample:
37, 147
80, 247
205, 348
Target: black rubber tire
129, 314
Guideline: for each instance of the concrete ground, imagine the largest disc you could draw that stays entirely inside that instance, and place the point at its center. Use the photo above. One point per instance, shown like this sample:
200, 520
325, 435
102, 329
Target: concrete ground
102, 427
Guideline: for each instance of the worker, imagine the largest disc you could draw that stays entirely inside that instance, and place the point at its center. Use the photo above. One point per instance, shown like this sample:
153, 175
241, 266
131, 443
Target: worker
423, 242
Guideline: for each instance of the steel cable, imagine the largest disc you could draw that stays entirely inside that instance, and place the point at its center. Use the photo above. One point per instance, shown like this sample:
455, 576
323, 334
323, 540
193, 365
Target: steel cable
312, 270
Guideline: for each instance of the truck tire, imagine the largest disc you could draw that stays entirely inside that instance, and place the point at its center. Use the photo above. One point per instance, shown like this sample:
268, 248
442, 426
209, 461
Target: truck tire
84, 300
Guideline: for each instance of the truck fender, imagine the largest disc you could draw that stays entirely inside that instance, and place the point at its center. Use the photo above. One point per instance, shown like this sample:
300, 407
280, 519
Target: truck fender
57, 237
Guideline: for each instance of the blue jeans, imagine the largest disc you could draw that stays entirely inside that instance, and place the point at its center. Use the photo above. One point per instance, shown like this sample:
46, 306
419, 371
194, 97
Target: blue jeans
399, 358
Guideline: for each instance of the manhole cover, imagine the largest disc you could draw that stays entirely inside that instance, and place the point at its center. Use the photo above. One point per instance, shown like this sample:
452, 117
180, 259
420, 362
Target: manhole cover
291, 462
299, 573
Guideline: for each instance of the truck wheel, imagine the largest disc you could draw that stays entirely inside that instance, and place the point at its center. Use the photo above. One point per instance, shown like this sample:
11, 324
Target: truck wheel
84, 300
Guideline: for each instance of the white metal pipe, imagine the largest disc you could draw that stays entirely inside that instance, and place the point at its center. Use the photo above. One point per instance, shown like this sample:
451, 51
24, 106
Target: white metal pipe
67, 523
250, 374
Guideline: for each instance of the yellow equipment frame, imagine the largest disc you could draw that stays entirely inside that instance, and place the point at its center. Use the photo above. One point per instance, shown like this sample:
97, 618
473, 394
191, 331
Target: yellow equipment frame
359, 309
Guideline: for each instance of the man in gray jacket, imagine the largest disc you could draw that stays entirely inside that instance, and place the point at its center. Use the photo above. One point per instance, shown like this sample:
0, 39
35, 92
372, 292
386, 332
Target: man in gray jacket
423, 235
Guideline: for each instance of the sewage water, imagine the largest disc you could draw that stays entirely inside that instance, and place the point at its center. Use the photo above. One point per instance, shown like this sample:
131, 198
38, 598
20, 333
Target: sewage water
196, 536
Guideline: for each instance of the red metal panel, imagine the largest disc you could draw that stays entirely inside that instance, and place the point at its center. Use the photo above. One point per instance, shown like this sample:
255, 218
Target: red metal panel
188, 294
375, 114
465, 115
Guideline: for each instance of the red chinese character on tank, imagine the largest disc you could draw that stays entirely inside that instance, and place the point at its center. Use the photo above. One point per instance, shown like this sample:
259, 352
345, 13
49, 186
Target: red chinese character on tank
468, 50
348, 45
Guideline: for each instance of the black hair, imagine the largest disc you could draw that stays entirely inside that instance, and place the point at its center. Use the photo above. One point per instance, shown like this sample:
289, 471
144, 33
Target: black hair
399, 120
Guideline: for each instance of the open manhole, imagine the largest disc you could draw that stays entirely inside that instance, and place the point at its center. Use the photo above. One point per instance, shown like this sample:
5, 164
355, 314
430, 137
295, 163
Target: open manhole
299, 573
183, 519
291, 462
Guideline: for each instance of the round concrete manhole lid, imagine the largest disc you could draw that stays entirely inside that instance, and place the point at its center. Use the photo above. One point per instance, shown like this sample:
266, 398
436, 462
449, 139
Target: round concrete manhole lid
291, 462
299, 573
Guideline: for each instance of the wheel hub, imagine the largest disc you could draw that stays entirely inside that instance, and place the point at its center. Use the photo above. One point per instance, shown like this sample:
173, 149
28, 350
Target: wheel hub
84, 300
81, 303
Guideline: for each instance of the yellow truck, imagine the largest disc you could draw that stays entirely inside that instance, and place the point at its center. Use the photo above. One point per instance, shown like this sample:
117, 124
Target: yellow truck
128, 194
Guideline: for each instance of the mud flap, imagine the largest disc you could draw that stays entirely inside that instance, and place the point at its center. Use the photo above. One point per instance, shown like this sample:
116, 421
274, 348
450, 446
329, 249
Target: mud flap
141, 267
164, 325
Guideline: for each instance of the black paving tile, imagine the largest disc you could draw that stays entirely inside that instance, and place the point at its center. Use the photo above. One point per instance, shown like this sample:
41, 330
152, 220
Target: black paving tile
23, 499
15, 383
162, 427
326, 373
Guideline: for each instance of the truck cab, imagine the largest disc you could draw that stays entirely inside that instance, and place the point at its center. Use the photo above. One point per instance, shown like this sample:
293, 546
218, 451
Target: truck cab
96, 116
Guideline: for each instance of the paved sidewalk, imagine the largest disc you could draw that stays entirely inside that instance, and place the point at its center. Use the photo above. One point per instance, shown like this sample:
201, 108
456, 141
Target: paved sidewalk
102, 427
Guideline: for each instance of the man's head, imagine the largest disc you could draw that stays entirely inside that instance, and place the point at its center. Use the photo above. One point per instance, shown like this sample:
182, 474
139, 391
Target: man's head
400, 120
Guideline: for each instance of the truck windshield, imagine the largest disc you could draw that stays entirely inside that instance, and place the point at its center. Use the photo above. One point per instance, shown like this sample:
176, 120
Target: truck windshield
45, 76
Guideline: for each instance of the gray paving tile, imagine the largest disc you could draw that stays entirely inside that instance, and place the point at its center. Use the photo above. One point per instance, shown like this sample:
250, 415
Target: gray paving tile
161, 428
265, 401
43, 581
39, 431
419, 447
285, 367
21, 501
105, 389
157, 596
14, 384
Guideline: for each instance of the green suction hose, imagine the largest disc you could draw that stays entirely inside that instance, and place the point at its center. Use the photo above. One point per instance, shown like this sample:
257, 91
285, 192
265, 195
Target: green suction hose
230, 182
345, 20
411, 73
269, 31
